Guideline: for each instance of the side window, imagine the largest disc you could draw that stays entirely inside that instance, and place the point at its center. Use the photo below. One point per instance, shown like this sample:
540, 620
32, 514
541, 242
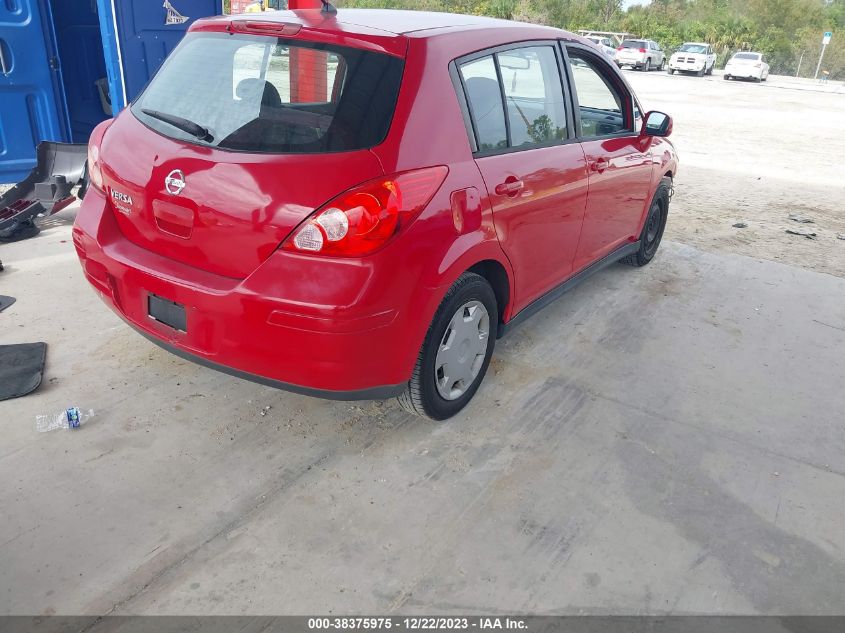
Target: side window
602, 103
485, 103
534, 95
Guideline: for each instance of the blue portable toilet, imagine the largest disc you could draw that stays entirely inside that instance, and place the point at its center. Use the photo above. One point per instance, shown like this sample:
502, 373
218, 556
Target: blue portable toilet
66, 65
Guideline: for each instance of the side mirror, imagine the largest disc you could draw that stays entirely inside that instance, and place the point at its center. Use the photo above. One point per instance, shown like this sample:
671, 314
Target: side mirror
656, 124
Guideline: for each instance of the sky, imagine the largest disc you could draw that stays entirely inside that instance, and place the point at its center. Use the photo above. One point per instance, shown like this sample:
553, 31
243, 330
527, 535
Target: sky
630, 3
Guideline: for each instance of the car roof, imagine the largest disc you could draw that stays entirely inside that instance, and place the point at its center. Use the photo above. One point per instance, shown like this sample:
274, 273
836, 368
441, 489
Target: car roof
695, 44
388, 21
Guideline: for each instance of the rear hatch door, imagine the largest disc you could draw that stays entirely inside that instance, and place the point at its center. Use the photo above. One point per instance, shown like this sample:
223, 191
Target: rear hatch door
286, 125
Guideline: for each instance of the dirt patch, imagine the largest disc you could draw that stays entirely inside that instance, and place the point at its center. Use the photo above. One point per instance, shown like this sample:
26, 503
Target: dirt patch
754, 154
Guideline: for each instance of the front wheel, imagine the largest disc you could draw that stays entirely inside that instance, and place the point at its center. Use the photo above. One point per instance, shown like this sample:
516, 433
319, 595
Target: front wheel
655, 224
671, 71
456, 351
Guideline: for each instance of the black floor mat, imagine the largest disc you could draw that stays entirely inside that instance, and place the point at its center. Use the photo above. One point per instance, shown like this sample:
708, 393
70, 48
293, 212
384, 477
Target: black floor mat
5, 302
21, 367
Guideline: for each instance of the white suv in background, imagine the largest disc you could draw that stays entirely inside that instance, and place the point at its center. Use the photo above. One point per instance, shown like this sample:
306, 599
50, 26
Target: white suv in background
603, 43
693, 57
641, 54
747, 65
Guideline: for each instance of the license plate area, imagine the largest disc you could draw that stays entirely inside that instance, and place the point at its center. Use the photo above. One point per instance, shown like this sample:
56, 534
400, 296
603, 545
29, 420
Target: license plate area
168, 312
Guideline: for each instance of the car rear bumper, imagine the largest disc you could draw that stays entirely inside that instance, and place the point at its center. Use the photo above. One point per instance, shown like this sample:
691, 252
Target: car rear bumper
631, 60
328, 327
744, 73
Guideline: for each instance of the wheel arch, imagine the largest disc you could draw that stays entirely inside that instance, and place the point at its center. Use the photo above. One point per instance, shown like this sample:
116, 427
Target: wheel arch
497, 276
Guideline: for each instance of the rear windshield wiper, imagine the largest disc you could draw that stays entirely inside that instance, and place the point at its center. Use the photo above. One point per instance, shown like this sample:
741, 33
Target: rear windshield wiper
195, 129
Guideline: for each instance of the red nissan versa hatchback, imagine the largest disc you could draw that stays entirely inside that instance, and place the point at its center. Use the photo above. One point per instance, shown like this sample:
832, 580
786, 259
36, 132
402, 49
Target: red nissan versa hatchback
357, 205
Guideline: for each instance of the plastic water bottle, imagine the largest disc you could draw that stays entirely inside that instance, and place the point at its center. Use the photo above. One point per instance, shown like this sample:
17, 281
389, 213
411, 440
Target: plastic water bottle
71, 418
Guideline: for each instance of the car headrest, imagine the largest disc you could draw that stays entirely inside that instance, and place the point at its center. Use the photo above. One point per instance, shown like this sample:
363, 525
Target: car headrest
484, 96
249, 89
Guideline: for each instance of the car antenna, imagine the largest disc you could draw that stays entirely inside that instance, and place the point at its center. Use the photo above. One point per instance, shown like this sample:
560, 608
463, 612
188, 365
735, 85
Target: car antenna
328, 7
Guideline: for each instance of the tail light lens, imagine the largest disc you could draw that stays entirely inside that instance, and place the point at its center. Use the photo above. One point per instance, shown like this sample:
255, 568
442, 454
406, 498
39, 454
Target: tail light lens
642, 50
95, 173
363, 219
619, 48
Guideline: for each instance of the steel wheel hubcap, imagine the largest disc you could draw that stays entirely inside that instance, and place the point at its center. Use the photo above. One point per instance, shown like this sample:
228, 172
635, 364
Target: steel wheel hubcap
462, 349
653, 225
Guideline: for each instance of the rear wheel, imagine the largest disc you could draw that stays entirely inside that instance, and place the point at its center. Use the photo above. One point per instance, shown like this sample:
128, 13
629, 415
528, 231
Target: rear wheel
726, 77
655, 224
646, 66
456, 351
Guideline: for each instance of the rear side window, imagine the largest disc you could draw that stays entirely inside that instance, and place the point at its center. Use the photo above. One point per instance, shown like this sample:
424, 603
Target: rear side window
534, 111
601, 103
262, 94
485, 103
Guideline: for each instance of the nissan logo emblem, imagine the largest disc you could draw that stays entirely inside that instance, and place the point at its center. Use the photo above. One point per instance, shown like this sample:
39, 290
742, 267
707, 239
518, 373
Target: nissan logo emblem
175, 182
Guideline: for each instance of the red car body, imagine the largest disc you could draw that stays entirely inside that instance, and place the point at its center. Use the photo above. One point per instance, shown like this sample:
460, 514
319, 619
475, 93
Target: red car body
531, 222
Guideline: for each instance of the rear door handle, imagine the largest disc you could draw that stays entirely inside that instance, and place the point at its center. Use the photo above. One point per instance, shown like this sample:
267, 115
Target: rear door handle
599, 165
510, 187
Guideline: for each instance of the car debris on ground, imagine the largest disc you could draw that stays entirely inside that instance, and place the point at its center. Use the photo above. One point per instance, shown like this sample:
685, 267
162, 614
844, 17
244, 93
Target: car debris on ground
45, 191
808, 234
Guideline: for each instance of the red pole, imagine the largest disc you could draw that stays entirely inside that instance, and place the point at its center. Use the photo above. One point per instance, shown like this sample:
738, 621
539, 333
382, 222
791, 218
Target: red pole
309, 72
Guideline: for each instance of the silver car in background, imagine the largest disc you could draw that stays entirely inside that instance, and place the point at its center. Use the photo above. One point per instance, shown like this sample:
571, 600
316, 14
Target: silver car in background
639, 54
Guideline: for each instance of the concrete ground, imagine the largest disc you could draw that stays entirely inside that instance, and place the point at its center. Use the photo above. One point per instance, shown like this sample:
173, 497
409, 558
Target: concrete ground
661, 440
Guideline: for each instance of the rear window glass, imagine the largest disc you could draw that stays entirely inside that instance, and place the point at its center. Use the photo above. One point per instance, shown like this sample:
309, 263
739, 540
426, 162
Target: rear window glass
262, 94
747, 56
634, 44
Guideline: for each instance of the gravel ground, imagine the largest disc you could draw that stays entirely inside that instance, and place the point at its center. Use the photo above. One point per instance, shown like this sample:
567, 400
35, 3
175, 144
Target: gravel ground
754, 154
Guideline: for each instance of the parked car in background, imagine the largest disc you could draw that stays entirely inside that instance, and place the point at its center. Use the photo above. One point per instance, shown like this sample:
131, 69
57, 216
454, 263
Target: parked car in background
747, 65
693, 57
640, 54
372, 231
603, 43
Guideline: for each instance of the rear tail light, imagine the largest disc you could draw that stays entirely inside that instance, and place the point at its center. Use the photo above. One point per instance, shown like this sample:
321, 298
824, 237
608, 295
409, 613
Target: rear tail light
642, 50
758, 65
619, 48
361, 220
95, 173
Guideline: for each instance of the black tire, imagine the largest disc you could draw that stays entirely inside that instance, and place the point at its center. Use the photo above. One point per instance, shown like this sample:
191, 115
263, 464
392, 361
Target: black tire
654, 226
670, 71
645, 65
700, 73
710, 72
421, 396
726, 77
